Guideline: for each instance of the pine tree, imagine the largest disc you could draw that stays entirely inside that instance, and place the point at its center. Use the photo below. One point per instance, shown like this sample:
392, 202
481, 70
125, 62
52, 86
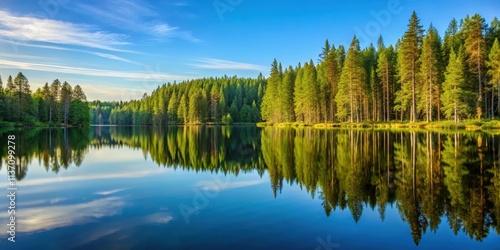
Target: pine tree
370, 96
311, 93
171, 108
194, 107
299, 94
182, 111
351, 86
475, 48
340, 56
79, 114
66, 96
493, 64
385, 73
430, 73
286, 95
332, 71
324, 52
409, 64
454, 97
271, 95
55, 109
451, 40
22, 93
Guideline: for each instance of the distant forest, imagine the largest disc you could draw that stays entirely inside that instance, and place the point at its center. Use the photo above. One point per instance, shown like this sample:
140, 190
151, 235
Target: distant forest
57, 104
423, 77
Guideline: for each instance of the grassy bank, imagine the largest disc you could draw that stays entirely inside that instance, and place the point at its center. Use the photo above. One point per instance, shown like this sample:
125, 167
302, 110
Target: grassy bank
466, 124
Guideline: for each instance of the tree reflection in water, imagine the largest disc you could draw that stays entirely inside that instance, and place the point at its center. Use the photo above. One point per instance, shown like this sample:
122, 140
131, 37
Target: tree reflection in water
428, 176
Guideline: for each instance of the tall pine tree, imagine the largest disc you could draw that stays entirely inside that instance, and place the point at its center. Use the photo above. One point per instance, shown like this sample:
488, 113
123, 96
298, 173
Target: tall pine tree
409, 65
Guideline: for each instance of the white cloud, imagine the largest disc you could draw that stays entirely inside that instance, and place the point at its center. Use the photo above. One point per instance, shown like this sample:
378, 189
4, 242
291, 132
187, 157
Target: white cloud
47, 218
212, 63
43, 46
110, 191
158, 218
60, 179
53, 31
162, 29
147, 75
134, 16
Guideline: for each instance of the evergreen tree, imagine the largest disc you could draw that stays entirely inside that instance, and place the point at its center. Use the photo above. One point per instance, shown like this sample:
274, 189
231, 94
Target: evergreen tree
454, 97
351, 86
324, 52
451, 40
493, 64
79, 114
332, 72
430, 73
22, 93
311, 93
409, 64
66, 96
286, 95
271, 95
475, 48
385, 73
55, 102
182, 111
299, 95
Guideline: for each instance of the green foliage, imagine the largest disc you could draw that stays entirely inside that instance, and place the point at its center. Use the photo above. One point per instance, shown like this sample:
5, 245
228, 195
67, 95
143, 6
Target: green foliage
204, 100
227, 119
50, 105
455, 97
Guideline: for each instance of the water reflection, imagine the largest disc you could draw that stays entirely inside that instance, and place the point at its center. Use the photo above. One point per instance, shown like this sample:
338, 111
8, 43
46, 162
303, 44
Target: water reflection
429, 177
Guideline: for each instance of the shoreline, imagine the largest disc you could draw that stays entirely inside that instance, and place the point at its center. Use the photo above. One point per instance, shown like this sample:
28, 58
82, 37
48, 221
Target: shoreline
472, 125
469, 125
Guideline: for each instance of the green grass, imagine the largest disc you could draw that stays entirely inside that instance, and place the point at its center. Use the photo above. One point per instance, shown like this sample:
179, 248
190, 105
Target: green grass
447, 125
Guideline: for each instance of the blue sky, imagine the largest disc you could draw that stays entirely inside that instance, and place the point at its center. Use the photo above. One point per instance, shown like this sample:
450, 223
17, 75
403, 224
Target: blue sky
118, 50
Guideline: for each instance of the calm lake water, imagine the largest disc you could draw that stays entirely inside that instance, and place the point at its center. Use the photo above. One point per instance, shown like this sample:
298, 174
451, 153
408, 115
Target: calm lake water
252, 188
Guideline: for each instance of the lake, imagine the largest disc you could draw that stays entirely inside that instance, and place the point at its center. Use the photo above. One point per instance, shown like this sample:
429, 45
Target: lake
251, 188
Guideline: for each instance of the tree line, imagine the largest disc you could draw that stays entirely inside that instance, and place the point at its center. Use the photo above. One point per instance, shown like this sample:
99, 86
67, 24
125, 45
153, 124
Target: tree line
55, 104
423, 77
224, 100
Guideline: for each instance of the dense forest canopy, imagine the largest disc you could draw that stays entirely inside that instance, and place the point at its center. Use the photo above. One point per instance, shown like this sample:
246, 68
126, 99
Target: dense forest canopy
423, 77
208, 100
55, 104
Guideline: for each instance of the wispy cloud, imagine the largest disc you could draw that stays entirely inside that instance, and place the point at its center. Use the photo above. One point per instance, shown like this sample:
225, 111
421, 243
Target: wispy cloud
41, 218
133, 16
141, 76
26, 28
110, 191
128, 175
53, 47
212, 63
